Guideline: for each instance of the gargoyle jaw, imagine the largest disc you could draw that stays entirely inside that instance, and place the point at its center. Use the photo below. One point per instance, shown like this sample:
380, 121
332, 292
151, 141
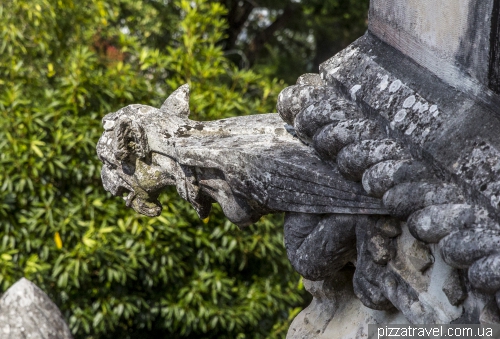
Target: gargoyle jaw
147, 207
141, 201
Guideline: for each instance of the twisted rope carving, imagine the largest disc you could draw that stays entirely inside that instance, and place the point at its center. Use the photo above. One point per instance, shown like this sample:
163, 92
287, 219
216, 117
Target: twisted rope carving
435, 211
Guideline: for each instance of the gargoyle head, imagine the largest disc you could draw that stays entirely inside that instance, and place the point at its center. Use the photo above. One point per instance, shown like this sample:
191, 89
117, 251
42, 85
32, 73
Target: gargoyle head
130, 167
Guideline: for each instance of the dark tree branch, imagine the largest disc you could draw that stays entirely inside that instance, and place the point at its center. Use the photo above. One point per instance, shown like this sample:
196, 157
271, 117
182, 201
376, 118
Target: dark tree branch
267, 34
237, 17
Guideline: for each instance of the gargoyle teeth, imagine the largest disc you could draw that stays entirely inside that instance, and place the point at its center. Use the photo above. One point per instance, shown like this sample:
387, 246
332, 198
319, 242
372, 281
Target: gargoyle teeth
129, 198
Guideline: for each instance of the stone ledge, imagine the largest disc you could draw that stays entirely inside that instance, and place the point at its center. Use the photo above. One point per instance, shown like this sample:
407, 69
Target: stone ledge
452, 131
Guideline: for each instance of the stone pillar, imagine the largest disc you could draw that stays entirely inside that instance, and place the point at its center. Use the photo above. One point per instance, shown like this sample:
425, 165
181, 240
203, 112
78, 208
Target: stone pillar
27, 312
455, 39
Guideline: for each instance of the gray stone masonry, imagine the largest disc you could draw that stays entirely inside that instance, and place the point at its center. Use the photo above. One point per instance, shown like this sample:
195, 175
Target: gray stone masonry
26, 312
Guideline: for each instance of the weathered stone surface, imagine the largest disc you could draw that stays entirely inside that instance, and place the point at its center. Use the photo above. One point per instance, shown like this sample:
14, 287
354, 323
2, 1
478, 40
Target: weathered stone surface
434, 222
479, 167
449, 38
420, 256
378, 247
388, 227
490, 315
462, 248
314, 319
484, 274
319, 246
329, 140
416, 281
448, 125
293, 99
454, 288
399, 293
336, 312
321, 113
386, 174
355, 159
27, 312
367, 281
454, 131
312, 79
448, 129
404, 199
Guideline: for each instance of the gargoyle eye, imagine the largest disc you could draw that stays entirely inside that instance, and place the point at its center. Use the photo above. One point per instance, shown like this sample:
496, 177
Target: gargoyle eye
131, 141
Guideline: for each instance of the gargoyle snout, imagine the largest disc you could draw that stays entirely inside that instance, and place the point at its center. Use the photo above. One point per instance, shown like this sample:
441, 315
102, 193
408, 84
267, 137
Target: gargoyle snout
113, 183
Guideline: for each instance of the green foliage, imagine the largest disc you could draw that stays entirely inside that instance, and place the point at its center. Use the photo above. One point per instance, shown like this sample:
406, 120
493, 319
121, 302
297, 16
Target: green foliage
63, 65
241, 91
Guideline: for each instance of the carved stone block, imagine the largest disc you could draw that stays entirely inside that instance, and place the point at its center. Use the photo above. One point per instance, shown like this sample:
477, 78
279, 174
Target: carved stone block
27, 312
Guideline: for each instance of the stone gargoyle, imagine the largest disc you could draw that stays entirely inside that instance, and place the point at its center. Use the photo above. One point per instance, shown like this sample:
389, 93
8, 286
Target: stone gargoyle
352, 197
250, 165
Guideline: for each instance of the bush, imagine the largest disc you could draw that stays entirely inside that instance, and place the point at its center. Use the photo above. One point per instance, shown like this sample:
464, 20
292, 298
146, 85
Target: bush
65, 64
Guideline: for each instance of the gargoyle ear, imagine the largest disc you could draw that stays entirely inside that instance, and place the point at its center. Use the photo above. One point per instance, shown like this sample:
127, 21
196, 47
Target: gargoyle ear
130, 140
177, 103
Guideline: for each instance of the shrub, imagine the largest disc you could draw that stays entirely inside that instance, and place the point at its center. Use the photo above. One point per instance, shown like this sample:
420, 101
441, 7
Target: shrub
65, 64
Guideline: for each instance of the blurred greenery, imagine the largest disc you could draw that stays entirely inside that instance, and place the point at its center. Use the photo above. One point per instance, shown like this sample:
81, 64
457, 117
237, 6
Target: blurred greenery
63, 65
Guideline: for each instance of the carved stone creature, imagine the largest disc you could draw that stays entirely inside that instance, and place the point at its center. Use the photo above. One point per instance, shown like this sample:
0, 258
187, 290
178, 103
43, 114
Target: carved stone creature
250, 165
